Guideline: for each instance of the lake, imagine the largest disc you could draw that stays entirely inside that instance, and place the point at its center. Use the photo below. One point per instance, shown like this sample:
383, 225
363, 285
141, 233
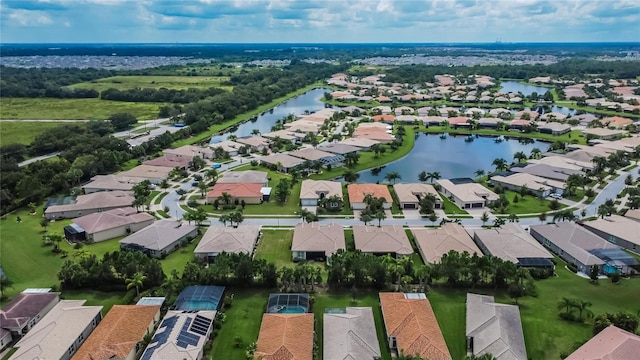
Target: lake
452, 157
308, 101
514, 86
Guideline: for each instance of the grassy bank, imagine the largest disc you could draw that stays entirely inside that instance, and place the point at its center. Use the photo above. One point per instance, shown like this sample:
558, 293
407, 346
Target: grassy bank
243, 117
61, 109
25, 132
570, 137
154, 82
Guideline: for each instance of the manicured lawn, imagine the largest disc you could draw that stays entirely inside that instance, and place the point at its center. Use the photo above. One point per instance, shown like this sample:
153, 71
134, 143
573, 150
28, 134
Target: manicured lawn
275, 247
450, 309
158, 200
577, 196
570, 137
527, 205
342, 300
93, 297
25, 132
243, 320
48, 108
450, 208
179, 258
154, 82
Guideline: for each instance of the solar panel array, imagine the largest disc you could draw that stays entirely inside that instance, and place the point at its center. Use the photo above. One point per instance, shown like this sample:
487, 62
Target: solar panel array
160, 338
535, 262
200, 325
185, 338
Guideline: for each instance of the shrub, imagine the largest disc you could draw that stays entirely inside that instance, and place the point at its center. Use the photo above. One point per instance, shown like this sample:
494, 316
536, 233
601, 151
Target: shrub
568, 316
615, 278
192, 203
572, 267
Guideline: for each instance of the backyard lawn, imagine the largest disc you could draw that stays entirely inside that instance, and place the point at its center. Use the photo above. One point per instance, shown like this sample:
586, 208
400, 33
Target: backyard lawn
275, 247
528, 205
58, 109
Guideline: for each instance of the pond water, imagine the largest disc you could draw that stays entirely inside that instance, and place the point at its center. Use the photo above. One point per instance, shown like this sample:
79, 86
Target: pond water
514, 86
297, 105
452, 157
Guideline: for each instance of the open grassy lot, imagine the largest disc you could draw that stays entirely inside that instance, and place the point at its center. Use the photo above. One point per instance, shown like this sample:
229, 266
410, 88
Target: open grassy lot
154, 82
243, 320
275, 247
528, 205
24, 132
61, 109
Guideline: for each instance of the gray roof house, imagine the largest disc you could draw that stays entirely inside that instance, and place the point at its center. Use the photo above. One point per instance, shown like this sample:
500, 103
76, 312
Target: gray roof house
107, 225
572, 243
60, 333
245, 177
89, 204
510, 243
409, 195
618, 230
160, 238
219, 239
316, 241
494, 328
25, 310
350, 334
546, 171
108, 183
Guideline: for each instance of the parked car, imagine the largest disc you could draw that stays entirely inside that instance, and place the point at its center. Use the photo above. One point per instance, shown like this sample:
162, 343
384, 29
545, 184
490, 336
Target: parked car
216, 165
556, 196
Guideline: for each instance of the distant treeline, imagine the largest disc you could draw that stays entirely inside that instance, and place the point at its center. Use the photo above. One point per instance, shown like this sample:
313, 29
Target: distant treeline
565, 69
89, 150
159, 95
45, 82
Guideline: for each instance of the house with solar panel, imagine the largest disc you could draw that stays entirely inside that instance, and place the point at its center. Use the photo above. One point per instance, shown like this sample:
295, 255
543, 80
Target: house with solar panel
199, 298
181, 335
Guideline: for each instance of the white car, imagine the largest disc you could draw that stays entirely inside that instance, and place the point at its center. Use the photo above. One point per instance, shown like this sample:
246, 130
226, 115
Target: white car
556, 196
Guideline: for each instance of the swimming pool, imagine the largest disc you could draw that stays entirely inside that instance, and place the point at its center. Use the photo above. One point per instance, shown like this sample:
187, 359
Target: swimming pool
295, 309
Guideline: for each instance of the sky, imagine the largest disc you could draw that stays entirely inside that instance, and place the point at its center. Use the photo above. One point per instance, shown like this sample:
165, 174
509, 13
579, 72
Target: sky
311, 21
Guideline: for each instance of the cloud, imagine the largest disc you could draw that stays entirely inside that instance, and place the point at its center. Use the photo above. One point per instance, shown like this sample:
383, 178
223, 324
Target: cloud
29, 18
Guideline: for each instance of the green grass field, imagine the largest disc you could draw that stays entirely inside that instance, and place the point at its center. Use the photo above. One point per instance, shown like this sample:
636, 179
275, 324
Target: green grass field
154, 82
528, 205
450, 208
275, 247
62, 109
24, 132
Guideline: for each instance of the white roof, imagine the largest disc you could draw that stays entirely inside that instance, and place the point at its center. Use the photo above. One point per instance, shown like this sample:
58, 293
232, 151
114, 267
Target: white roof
316, 237
511, 242
350, 335
172, 347
311, 189
433, 243
531, 182
468, 192
231, 240
618, 226
52, 336
160, 234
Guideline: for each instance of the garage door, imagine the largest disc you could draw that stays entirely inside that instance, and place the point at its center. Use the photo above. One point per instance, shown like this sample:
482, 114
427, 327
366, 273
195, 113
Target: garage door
409, 206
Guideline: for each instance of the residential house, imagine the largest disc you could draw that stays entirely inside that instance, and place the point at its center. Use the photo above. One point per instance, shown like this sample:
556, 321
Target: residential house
411, 326
512, 243
285, 336
315, 241
228, 146
409, 195
350, 333
554, 128
489, 123
244, 177
633, 214
250, 193
358, 193
618, 230
119, 335
25, 310
459, 122
181, 335
311, 154
5, 338
282, 162
190, 151
339, 148
382, 240
611, 343
536, 185
108, 183
572, 243
494, 329
434, 120
434, 243
564, 162
218, 239
169, 161
89, 204
387, 118
60, 333
519, 124
362, 143
255, 143
467, 194
107, 225
603, 133
155, 174
616, 122
161, 238
546, 171
312, 191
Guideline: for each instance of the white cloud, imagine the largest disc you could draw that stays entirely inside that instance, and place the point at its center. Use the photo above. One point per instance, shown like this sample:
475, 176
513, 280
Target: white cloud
29, 18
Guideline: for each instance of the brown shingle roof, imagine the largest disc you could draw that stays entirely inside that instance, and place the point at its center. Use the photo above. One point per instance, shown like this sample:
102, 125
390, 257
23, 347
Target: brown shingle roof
118, 333
413, 323
285, 337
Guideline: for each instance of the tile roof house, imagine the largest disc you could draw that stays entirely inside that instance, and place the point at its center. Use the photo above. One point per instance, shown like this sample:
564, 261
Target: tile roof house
603, 133
25, 310
285, 336
386, 239
155, 174
60, 333
373, 133
510, 243
411, 326
611, 343
89, 204
361, 143
546, 171
160, 238
409, 195
358, 192
618, 230
256, 143
339, 149
494, 328
563, 162
616, 121
180, 335
312, 191
572, 243
251, 193
312, 154
554, 128
189, 152
231, 147
350, 334
169, 161
120, 332
109, 224
283, 162
467, 195
433, 243
538, 186
108, 183
246, 177
219, 239
314, 241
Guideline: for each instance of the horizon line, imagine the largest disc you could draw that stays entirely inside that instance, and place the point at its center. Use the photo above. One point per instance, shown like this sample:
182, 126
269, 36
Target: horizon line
321, 43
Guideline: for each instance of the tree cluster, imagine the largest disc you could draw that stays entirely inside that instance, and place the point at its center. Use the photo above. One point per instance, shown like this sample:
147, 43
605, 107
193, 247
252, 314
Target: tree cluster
48, 82
159, 95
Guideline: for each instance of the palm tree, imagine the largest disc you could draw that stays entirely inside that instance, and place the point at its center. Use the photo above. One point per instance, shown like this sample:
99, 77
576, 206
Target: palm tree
350, 176
422, 176
434, 175
479, 173
423, 273
365, 218
202, 186
380, 215
393, 176
535, 153
225, 198
566, 304
519, 156
210, 174
583, 308
500, 164
136, 282
255, 132
513, 218
542, 217
484, 218
224, 218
